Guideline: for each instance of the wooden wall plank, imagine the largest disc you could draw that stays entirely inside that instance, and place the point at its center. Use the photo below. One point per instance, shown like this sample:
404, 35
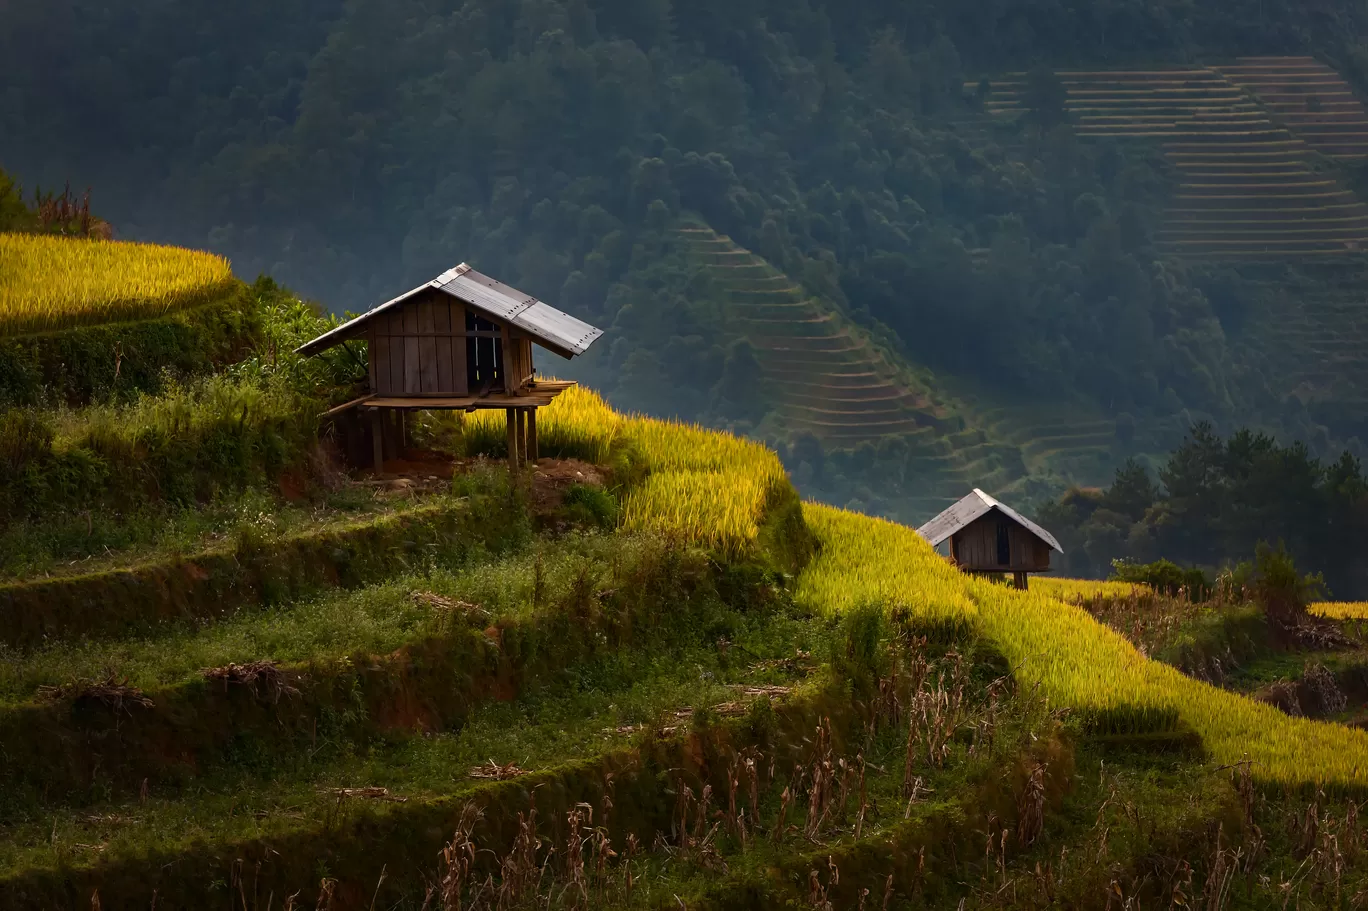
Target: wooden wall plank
460, 382
427, 346
441, 324
380, 358
525, 354
501, 346
411, 383
396, 346
512, 368
371, 349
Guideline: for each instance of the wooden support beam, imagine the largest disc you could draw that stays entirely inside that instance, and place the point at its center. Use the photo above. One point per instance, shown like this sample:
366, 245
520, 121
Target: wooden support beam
532, 452
522, 435
512, 415
1019, 580
377, 424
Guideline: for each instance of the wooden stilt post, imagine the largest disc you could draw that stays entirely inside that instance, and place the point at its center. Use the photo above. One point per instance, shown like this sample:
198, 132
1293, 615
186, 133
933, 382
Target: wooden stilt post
512, 414
403, 433
522, 435
532, 453
378, 440
1019, 580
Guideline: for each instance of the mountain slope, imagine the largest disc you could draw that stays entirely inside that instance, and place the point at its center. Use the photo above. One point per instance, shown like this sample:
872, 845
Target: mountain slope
827, 376
1247, 185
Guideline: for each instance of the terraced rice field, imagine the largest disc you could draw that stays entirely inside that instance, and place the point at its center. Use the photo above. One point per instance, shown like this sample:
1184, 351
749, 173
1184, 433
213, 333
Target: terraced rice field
1318, 342
1309, 98
1014, 450
50, 283
832, 380
836, 383
1246, 188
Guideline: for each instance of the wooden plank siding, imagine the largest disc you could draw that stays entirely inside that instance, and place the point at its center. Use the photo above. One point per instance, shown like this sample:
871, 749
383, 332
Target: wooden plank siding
424, 347
978, 546
412, 386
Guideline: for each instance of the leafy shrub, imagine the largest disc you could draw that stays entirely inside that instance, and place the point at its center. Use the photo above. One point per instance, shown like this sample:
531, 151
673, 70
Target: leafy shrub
858, 653
1277, 584
591, 506
1165, 577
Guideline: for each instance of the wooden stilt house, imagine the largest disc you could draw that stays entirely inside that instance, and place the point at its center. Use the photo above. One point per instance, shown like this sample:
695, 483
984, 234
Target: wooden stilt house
987, 536
462, 341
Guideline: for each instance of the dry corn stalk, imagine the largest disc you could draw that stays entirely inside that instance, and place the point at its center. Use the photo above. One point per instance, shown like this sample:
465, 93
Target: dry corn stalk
367, 793
492, 771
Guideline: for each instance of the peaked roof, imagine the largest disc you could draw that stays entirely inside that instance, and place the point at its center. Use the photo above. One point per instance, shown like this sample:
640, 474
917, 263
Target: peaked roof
973, 507
557, 331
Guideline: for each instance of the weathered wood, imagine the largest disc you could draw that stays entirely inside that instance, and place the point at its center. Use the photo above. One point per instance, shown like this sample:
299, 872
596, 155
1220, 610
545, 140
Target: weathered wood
533, 452
396, 349
441, 344
528, 370
463, 402
995, 543
371, 356
412, 383
460, 382
1019, 580
510, 361
522, 435
512, 416
428, 381
380, 359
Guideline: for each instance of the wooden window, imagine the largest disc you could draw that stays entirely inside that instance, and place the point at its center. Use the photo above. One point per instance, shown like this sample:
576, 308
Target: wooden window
484, 355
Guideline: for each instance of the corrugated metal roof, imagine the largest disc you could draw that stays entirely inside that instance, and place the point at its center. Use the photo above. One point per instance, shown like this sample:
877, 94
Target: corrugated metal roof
560, 332
543, 321
492, 297
970, 509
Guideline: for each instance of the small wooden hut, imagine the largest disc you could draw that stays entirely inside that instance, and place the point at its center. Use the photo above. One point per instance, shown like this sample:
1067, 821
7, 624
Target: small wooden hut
987, 536
462, 341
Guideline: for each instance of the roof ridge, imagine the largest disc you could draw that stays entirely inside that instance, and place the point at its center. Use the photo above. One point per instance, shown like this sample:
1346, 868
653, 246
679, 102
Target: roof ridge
956, 516
554, 329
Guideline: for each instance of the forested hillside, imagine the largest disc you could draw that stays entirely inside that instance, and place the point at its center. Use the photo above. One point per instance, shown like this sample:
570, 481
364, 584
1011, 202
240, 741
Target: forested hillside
1002, 288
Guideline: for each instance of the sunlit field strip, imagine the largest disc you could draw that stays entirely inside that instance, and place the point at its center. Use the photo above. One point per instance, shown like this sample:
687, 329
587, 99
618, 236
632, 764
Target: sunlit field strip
701, 485
1075, 660
1083, 589
1341, 610
712, 488
51, 283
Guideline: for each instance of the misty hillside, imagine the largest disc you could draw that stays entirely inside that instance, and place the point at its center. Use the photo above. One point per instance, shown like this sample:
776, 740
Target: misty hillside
917, 247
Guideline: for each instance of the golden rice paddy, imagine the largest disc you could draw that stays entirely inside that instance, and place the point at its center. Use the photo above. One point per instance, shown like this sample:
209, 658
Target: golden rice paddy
713, 488
1341, 610
50, 283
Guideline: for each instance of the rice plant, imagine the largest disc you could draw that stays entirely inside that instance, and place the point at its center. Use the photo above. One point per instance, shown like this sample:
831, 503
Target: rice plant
1084, 589
701, 485
1073, 659
1340, 610
50, 283
713, 489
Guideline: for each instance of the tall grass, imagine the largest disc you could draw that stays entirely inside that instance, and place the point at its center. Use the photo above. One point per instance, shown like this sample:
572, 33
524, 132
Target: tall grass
1084, 589
688, 482
50, 283
577, 425
181, 446
713, 488
1340, 610
1076, 661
